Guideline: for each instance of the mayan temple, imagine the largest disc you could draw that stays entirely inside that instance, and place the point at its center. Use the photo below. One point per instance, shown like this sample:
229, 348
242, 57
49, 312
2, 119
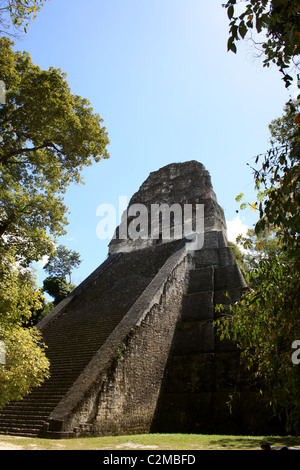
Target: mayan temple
133, 349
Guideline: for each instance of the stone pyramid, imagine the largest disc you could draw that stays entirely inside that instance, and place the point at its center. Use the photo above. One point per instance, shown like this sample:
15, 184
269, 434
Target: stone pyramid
133, 349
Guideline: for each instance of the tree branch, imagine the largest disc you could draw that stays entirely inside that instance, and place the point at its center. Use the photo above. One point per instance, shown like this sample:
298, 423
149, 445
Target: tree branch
5, 158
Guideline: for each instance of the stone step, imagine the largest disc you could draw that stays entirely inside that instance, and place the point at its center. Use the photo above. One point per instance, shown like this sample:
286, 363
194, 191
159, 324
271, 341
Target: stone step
78, 332
72, 354
30, 415
21, 421
28, 431
40, 405
24, 415
51, 389
75, 358
42, 401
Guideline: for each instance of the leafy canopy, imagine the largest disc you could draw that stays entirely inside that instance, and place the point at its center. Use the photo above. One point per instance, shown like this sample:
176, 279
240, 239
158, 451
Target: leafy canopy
277, 183
59, 266
26, 364
62, 262
264, 324
17, 13
279, 20
58, 288
47, 136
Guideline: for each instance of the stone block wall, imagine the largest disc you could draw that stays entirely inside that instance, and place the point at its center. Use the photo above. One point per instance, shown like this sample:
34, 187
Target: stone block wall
118, 391
202, 371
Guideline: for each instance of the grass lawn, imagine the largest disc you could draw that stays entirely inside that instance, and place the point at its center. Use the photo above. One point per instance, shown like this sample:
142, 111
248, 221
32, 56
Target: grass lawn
190, 442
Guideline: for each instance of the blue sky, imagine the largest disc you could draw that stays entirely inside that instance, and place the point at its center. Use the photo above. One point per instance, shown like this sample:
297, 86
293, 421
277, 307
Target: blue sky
158, 73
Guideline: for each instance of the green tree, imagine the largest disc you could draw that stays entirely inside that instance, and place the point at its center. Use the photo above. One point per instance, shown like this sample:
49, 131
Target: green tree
59, 266
17, 13
62, 262
279, 23
47, 136
250, 250
26, 364
278, 181
58, 288
265, 323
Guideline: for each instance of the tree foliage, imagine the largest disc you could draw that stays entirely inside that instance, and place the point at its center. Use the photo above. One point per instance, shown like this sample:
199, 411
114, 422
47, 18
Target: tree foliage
47, 136
278, 20
62, 262
26, 364
278, 181
265, 323
19, 293
59, 266
15, 14
58, 288
252, 249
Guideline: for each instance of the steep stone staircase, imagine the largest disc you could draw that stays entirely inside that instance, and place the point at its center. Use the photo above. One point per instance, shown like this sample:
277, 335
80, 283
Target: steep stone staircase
76, 334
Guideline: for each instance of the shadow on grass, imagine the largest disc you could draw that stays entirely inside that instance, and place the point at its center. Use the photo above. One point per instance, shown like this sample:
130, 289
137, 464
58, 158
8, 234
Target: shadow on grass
250, 443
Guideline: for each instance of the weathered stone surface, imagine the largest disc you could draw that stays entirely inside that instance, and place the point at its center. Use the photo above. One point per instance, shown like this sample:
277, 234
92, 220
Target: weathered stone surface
134, 348
198, 306
194, 337
204, 258
196, 373
201, 279
228, 278
186, 413
228, 296
179, 184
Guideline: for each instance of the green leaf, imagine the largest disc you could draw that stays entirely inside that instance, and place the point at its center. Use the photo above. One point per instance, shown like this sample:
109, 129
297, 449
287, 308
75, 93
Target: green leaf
230, 11
243, 29
231, 46
239, 197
